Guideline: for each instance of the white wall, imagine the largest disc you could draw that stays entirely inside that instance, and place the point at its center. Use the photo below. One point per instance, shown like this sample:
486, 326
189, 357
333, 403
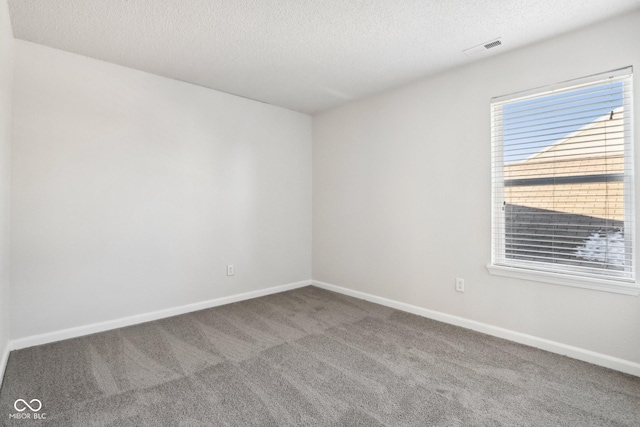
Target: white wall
401, 195
131, 193
6, 75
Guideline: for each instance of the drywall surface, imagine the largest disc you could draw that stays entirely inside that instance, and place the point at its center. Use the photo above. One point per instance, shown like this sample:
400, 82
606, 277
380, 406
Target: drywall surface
6, 74
401, 195
132, 192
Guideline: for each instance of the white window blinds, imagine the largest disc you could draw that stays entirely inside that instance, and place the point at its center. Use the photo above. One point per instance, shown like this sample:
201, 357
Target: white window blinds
562, 172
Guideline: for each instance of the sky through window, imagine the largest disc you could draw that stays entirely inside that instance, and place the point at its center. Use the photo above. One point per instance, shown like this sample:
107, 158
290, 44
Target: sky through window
532, 125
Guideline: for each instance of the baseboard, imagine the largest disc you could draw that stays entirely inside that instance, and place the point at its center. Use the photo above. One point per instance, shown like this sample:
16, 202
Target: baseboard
530, 340
4, 358
146, 317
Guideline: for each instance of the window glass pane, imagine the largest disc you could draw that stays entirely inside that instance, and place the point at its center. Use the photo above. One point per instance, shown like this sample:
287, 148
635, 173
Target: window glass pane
561, 171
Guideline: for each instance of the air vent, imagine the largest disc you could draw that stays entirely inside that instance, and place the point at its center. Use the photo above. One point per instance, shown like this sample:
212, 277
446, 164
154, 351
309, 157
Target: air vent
481, 48
494, 43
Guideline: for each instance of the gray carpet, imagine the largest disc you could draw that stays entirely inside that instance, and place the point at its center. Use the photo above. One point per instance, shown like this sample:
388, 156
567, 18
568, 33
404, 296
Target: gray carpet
310, 357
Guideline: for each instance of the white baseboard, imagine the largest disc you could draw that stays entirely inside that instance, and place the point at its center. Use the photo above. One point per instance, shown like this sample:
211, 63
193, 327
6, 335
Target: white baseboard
146, 317
600, 359
530, 340
4, 358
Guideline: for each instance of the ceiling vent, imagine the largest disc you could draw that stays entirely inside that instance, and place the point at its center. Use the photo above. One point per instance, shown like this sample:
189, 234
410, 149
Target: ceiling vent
473, 51
494, 43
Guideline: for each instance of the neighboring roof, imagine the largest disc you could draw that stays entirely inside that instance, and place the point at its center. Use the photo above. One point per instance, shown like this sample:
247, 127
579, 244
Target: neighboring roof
530, 229
580, 153
582, 145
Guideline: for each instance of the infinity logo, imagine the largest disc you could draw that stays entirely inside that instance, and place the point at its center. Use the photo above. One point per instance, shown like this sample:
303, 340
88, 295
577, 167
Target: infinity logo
27, 405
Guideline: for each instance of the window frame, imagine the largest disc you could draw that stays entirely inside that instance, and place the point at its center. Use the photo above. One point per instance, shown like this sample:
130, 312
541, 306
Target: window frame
535, 271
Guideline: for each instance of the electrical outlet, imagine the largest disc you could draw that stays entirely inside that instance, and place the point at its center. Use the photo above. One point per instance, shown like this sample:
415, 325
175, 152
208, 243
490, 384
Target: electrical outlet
230, 270
459, 284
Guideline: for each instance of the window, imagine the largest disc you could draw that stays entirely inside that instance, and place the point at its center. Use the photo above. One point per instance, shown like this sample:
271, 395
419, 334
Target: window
562, 183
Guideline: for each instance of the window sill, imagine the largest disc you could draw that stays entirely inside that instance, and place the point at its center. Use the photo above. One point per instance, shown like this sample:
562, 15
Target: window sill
618, 287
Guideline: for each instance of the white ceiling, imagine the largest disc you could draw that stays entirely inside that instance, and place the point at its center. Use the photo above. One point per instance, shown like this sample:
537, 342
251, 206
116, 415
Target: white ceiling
306, 55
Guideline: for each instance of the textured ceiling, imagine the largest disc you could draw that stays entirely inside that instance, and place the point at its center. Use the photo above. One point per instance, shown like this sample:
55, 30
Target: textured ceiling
306, 55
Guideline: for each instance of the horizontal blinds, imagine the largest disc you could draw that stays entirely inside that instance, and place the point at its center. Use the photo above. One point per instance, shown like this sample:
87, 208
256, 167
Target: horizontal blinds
562, 176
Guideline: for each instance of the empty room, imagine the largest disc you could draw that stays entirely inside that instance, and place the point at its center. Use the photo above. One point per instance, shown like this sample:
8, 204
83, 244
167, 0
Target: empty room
328, 213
